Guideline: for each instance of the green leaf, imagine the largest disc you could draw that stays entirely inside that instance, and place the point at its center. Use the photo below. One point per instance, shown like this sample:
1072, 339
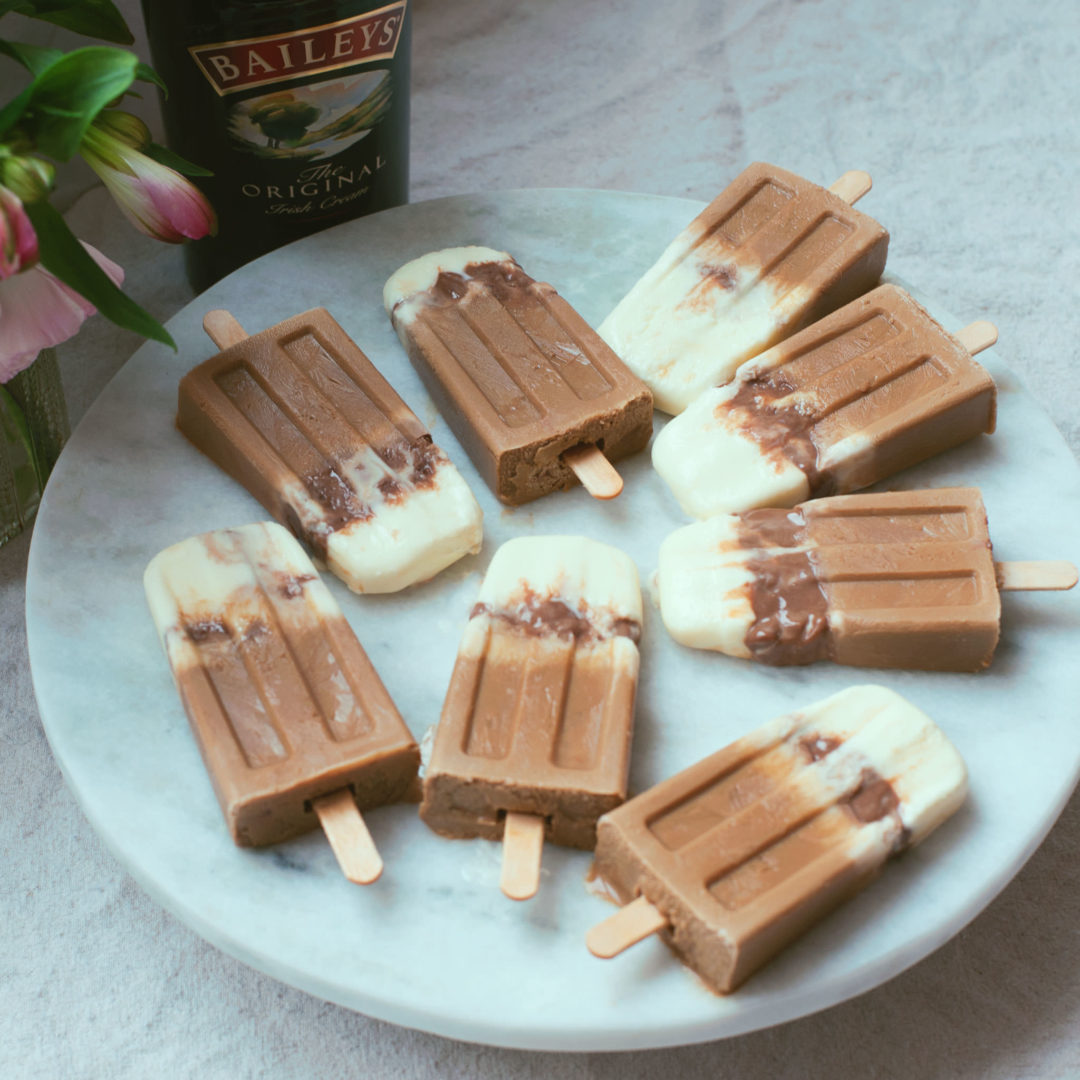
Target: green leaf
164, 156
12, 112
94, 18
145, 73
34, 58
59, 113
68, 94
64, 256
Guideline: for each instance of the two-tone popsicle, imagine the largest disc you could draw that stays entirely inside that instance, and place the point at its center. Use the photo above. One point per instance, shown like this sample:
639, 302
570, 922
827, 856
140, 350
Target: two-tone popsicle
874, 388
533, 743
293, 723
902, 579
769, 255
303, 419
529, 388
736, 856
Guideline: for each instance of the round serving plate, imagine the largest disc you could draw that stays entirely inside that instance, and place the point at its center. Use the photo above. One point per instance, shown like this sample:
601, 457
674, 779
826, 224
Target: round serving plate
434, 944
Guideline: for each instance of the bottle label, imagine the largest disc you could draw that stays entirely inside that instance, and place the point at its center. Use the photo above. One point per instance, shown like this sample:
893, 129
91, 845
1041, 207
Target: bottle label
239, 65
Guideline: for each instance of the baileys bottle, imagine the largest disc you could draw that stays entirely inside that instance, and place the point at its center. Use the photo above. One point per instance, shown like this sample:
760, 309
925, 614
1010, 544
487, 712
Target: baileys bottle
300, 108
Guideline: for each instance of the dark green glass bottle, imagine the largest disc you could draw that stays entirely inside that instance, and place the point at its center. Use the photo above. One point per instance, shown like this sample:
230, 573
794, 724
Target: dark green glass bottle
299, 107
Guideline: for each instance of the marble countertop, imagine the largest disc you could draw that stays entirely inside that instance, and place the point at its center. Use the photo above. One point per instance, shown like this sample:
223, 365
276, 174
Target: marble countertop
963, 113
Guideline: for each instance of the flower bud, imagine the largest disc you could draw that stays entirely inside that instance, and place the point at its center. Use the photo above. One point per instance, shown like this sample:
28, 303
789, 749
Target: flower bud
156, 200
125, 127
30, 178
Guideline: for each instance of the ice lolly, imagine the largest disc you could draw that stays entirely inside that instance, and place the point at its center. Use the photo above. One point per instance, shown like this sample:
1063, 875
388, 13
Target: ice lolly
769, 255
734, 857
904, 579
867, 391
529, 388
301, 418
293, 723
534, 736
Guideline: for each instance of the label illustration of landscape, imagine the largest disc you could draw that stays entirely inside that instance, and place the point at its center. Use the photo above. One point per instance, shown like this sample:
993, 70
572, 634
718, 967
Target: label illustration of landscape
306, 123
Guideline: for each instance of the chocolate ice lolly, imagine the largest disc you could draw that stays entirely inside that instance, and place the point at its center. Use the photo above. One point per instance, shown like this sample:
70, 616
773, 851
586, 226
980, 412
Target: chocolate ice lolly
302, 418
294, 724
904, 579
769, 255
734, 857
529, 388
534, 736
869, 390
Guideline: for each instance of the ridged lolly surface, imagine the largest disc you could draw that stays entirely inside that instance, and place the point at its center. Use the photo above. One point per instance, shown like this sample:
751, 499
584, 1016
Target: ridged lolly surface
539, 714
302, 418
870, 390
519, 375
746, 849
902, 579
282, 699
769, 255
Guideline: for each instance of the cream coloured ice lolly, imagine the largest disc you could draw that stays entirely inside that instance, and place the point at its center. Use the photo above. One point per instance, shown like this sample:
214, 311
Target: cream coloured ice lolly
769, 255
534, 736
302, 418
293, 722
869, 390
904, 579
529, 388
737, 855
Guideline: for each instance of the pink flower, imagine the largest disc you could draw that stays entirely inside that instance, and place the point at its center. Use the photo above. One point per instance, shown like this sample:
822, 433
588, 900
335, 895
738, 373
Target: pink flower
18, 241
37, 310
154, 198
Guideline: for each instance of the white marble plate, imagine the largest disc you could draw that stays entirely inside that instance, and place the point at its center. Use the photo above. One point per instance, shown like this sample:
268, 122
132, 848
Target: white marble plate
433, 944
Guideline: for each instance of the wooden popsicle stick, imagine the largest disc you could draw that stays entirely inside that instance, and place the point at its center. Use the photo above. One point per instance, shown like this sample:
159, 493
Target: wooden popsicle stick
356, 853
597, 475
852, 186
523, 845
977, 336
626, 927
1050, 575
223, 327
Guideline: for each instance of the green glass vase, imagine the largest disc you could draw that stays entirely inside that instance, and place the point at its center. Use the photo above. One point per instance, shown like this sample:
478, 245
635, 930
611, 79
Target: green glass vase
33, 429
